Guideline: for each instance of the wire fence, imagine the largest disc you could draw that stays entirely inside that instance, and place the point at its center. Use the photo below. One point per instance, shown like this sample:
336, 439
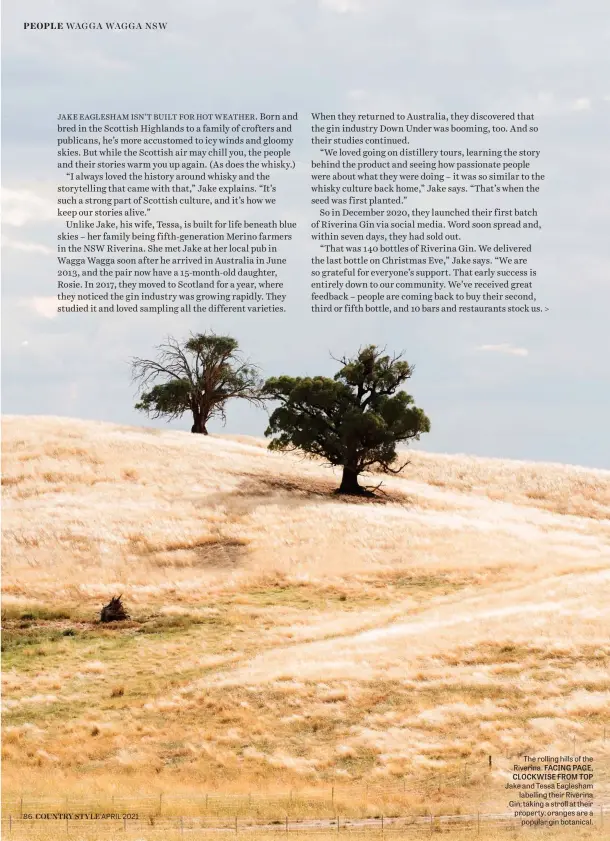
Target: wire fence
355, 801
214, 801
82, 825
324, 801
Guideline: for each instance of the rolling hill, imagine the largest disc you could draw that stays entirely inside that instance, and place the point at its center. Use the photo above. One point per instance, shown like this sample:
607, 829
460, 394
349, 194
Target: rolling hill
281, 636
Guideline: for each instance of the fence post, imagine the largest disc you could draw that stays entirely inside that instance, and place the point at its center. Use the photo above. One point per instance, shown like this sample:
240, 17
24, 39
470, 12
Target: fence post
478, 823
286, 823
160, 802
332, 795
67, 826
181, 826
124, 823
236, 824
338, 823
206, 803
10, 823
382, 826
21, 808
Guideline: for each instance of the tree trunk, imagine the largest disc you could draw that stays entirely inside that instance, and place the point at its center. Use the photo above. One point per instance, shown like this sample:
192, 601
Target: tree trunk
198, 426
349, 481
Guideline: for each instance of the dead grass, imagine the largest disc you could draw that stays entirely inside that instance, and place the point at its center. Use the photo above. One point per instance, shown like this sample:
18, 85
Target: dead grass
283, 637
173, 831
563, 488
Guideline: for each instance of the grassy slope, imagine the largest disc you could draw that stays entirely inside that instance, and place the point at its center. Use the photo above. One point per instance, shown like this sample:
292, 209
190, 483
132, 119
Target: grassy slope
284, 637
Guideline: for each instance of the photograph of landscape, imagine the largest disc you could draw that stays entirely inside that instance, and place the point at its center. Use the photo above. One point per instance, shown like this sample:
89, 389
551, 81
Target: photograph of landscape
199, 628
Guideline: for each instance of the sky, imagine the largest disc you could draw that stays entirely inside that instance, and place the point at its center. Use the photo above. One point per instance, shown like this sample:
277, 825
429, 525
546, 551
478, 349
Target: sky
534, 387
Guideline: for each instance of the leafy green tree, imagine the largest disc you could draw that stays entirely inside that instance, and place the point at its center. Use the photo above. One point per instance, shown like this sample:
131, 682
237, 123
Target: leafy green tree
198, 376
354, 420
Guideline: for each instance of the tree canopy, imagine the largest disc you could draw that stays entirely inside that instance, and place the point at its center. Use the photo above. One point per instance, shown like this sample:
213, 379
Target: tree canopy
354, 420
199, 375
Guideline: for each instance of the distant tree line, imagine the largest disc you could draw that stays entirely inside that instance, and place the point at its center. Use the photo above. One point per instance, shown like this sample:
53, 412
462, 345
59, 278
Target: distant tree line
353, 420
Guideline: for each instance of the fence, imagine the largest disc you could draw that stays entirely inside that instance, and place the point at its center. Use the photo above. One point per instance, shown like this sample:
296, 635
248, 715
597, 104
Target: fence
214, 801
411, 826
324, 801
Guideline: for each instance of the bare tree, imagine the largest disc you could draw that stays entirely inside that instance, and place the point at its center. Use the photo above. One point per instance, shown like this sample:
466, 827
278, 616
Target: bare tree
199, 376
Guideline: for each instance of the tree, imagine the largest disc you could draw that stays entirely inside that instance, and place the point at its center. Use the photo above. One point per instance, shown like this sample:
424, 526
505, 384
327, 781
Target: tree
197, 376
354, 420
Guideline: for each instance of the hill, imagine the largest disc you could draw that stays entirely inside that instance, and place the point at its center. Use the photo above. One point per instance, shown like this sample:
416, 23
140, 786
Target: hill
281, 636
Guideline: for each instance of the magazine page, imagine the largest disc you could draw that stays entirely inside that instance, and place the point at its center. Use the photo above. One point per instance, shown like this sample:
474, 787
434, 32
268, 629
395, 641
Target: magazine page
306, 476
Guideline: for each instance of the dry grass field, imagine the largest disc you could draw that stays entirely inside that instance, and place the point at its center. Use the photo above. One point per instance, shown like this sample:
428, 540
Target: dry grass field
371, 652
47, 831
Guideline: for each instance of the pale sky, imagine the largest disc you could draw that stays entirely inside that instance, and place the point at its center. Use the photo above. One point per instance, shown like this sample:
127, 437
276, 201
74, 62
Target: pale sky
527, 387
